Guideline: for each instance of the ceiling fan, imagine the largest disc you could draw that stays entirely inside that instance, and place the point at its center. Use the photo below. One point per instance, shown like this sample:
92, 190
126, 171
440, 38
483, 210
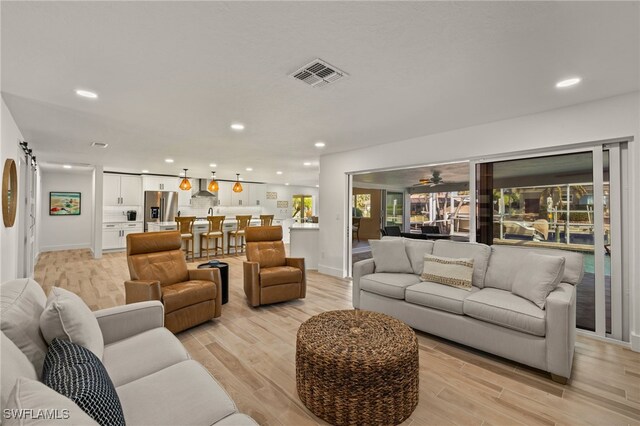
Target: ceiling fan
433, 180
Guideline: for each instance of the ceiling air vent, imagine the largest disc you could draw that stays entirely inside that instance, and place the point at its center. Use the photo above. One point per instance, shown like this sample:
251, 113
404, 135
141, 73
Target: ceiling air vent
319, 73
99, 145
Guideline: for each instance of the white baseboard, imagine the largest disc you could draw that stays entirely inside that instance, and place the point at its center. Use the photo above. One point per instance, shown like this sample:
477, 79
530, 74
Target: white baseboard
635, 342
65, 247
328, 270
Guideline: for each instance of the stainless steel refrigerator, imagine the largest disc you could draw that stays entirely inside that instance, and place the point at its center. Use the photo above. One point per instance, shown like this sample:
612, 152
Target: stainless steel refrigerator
160, 206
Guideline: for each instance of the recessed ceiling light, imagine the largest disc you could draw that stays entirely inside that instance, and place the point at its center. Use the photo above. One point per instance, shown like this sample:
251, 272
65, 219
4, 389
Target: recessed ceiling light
213, 165
99, 145
145, 171
86, 94
279, 172
317, 186
66, 166
568, 82
287, 184
320, 144
237, 126
168, 160
307, 163
249, 169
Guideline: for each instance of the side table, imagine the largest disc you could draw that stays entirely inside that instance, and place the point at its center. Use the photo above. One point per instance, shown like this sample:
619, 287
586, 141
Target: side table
224, 276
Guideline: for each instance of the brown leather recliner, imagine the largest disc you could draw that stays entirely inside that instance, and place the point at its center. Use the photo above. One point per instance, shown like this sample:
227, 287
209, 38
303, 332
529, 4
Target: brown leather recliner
159, 272
270, 276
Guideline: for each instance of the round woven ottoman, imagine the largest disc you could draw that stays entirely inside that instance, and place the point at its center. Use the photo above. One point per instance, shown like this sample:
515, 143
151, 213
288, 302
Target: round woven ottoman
357, 367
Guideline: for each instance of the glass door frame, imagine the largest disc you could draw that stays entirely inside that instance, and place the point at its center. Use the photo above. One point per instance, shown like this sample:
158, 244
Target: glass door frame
619, 220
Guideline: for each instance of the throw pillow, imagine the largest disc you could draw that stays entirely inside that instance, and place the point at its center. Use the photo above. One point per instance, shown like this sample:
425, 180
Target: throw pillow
537, 276
78, 374
448, 271
34, 403
67, 317
389, 255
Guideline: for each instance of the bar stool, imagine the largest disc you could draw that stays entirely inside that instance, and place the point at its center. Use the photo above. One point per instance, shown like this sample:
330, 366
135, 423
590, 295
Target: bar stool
185, 226
214, 233
238, 234
266, 219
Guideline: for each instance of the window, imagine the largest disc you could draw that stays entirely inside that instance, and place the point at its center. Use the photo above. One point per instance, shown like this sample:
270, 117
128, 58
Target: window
302, 208
362, 205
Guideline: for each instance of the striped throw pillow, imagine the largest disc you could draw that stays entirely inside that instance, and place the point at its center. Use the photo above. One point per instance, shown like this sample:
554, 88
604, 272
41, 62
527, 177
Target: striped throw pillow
448, 271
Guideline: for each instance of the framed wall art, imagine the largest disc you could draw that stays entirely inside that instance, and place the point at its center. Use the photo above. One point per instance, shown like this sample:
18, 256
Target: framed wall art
64, 203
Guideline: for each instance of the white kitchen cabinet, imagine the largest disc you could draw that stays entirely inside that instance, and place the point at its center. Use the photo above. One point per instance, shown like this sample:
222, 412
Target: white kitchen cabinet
224, 193
160, 183
121, 190
184, 197
241, 198
114, 235
258, 194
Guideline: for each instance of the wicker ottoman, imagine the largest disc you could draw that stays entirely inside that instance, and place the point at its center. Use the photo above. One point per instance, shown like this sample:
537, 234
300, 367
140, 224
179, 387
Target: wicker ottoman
357, 367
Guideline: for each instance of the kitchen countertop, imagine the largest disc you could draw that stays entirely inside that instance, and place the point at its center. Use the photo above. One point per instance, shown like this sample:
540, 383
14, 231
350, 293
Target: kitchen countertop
198, 222
304, 226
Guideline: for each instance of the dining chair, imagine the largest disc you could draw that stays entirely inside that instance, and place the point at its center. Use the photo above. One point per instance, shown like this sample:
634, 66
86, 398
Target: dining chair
213, 233
242, 222
266, 219
185, 226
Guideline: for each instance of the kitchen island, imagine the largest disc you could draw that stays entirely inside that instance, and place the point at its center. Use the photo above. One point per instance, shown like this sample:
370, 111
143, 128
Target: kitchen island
304, 242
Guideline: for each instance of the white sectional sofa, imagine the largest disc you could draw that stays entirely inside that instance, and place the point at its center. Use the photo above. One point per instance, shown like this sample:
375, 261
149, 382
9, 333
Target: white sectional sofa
156, 380
489, 317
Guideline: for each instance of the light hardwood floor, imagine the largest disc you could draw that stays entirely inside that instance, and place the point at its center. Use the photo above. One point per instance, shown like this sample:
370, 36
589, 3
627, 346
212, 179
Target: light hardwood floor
251, 353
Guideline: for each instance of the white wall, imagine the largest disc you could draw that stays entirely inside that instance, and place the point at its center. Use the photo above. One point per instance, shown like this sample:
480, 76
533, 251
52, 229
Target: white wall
9, 139
610, 118
66, 232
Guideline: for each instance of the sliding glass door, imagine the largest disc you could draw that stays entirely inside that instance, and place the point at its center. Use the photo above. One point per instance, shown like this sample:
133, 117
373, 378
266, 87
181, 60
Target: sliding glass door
568, 202
394, 209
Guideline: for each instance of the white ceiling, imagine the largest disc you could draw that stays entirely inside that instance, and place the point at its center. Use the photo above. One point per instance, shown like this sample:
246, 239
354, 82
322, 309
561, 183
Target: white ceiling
172, 76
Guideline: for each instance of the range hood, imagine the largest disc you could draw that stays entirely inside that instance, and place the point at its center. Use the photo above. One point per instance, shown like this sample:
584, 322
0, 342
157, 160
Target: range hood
202, 192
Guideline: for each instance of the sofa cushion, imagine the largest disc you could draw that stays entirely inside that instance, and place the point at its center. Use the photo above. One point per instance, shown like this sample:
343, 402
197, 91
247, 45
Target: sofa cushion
21, 304
538, 276
143, 354
390, 256
438, 296
280, 275
13, 366
479, 252
31, 395
181, 295
506, 309
183, 394
78, 374
449, 271
505, 262
390, 285
416, 249
67, 317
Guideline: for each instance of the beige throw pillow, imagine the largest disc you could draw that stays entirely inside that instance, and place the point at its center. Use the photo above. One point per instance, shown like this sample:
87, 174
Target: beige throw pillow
448, 271
67, 317
390, 256
537, 276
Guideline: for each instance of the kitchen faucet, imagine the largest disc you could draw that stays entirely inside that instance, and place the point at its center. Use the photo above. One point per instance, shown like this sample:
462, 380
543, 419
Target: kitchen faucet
210, 211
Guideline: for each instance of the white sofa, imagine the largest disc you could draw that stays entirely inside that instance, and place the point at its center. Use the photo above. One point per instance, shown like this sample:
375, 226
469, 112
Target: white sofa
489, 317
156, 380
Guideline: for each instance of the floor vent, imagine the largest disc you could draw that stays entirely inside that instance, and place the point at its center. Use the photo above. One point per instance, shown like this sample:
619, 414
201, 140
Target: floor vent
319, 73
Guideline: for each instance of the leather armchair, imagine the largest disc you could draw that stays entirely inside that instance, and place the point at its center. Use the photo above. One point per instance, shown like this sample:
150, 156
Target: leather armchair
159, 272
269, 276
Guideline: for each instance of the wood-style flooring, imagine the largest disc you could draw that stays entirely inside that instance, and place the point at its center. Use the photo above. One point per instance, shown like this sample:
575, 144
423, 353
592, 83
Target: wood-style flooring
251, 353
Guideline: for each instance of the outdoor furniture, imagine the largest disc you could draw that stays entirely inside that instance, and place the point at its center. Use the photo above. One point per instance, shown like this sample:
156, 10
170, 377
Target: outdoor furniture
430, 229
355, 222
392, 231
357, 367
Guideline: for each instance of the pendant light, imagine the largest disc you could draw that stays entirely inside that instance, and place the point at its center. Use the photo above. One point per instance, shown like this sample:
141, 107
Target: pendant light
185, 185
213, 185
237, 187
